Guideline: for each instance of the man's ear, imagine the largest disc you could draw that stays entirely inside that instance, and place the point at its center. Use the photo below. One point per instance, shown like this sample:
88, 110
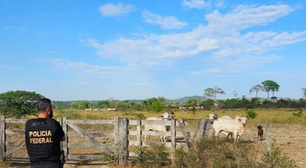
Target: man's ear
49, 112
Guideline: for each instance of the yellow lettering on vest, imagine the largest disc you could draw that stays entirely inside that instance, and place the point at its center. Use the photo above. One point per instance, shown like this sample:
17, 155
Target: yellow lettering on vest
48, 140
43, 140
49, 133
30, 133
34, 133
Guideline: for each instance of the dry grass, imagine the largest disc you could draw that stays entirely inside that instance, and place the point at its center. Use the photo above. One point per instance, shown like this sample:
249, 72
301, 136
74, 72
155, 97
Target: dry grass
287, 130
4, 164
264, 115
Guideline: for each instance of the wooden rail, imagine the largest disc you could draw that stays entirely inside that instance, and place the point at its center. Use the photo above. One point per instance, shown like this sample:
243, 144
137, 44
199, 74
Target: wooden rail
119, 139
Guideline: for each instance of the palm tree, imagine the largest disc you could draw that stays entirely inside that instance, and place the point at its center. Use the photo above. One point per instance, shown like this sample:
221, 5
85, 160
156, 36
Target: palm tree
257, 88
270, 85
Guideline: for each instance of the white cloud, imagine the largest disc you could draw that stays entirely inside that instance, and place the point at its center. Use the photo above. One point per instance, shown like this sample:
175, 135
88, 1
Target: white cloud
237, 65
220, 39
195, 4
165, 22
248, 62
247, 16
109, 9
103, 71
219, 3
207, 44
257, 42
113, 74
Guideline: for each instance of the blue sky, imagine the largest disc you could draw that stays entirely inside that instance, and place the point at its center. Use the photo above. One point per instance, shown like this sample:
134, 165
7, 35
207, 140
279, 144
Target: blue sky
94, 50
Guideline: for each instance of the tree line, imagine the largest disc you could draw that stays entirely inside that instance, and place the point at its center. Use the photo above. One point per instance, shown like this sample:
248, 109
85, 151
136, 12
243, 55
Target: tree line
21, 103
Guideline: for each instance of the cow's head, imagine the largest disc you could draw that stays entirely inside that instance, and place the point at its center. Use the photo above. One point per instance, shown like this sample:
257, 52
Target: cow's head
165, 115
212, 116
243, 120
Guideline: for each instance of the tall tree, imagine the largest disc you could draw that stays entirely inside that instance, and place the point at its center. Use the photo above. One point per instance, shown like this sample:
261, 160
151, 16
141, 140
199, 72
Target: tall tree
209, 93
270, 86
304, 92
19, 103
157, 104
257, 88
212, 92
192, 103
235, 93
218, 91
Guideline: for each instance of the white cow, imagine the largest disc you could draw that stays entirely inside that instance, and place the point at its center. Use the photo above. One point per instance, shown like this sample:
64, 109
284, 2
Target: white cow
164, 116
230, 126
212, 116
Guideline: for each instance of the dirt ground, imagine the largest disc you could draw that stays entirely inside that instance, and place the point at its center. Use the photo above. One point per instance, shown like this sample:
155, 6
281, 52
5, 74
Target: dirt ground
290, 138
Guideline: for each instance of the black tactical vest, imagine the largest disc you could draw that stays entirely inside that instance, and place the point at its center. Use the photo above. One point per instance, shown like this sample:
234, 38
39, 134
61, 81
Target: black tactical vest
42, 140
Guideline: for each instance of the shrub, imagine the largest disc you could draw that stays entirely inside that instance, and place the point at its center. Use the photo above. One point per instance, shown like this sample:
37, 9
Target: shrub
221, 154
298, 114
108, 158
251, 114
157, 157
214, 154
276, 159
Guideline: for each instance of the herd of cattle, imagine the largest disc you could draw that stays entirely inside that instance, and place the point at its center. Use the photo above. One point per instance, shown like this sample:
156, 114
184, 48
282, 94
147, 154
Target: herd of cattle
225, 124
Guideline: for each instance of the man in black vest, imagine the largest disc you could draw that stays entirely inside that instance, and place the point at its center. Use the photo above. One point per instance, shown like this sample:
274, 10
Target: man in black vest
43, 136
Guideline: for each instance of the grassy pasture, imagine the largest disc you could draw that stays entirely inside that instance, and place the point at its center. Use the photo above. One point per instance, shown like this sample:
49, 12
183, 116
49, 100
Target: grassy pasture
264, 115
288, 130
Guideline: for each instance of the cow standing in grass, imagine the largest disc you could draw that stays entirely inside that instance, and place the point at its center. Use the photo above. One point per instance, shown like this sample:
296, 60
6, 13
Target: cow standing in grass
162, 128
229, 126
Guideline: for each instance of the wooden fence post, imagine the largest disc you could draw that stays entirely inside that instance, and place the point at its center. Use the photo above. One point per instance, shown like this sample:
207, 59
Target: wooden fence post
206, 129
123, 138
173, 137
185, 133
2, 138
116, 137
268, 139
65, 143
198, 130
139, 133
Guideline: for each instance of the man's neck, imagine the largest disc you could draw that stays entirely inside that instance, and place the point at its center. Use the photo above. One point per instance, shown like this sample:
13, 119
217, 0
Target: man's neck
42, 115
